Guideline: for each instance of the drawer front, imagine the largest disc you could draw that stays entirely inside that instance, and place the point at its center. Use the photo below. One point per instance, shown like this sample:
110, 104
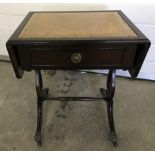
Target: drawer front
118, 57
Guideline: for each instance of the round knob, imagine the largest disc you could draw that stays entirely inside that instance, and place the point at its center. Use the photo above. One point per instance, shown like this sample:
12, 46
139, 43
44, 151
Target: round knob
76, 57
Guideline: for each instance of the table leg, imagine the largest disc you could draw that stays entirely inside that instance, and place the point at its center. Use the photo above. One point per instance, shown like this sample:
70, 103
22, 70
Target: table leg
108, 94
41, 95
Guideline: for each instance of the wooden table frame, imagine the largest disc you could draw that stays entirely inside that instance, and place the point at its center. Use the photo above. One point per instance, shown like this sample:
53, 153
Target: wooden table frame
107, 95
140, 45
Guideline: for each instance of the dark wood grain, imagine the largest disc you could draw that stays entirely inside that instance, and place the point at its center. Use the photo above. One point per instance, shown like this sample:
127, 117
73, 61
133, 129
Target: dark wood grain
125, 53
15, 61
60, 58
54, 53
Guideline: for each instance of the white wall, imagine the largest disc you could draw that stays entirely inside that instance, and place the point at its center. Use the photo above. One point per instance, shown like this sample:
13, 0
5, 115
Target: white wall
142, 14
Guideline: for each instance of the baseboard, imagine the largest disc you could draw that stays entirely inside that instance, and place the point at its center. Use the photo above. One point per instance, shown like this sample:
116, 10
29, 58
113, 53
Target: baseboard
4, 58
121, 73
144, 76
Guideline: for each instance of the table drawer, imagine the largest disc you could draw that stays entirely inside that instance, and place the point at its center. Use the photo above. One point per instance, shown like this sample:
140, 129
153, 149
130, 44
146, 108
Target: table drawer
119, 56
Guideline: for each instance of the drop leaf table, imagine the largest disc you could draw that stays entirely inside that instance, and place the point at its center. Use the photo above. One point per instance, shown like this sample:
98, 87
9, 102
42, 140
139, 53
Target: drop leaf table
75, 41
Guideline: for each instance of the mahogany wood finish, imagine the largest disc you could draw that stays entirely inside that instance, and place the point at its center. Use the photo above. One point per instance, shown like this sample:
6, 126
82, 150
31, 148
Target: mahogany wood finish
77, 50
107, 95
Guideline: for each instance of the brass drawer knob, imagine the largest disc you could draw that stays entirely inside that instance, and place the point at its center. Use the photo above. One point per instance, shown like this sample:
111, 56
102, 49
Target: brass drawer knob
76, 57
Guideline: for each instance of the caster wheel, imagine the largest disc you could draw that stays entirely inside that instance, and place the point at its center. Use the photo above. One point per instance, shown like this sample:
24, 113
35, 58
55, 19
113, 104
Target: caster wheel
37, 138
113, 137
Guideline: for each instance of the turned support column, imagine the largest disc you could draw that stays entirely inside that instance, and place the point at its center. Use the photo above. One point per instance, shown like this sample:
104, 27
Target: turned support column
108, 94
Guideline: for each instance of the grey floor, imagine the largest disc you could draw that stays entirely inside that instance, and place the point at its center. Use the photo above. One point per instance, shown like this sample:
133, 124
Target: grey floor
75, 125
